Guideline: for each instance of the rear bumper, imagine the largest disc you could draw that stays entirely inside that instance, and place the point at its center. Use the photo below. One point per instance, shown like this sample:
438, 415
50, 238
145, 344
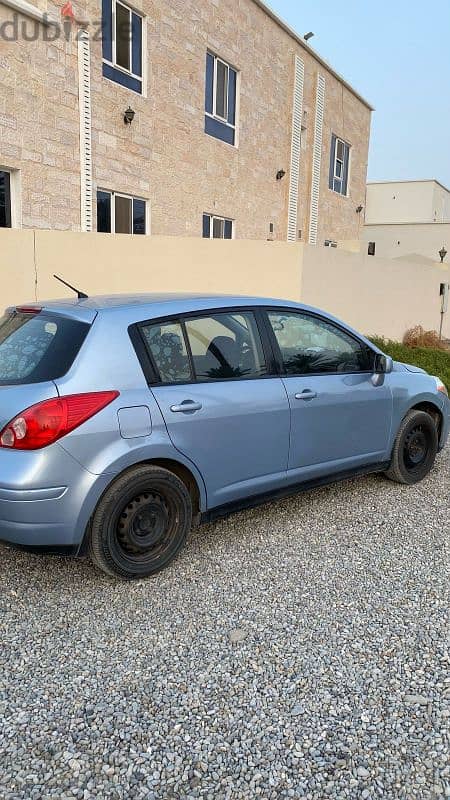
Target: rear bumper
53, 517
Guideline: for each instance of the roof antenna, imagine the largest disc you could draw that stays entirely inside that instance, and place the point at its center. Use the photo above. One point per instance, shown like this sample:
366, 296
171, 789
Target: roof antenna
81, 295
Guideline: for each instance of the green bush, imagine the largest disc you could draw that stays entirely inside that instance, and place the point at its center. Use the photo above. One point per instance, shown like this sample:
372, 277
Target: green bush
436, 362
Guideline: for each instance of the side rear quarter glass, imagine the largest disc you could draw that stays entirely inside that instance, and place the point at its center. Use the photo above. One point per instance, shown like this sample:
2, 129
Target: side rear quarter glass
39, 347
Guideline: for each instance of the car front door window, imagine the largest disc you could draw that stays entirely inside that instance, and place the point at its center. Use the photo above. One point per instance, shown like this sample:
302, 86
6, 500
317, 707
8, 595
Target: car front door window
313, 346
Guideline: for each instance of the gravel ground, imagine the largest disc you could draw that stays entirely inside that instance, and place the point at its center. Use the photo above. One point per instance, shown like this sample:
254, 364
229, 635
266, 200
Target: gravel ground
297, 650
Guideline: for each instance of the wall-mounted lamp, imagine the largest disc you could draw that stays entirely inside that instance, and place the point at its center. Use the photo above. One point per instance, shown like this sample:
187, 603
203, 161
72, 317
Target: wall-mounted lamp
280, 174
359, 209
442, 254
129, 115
308, 35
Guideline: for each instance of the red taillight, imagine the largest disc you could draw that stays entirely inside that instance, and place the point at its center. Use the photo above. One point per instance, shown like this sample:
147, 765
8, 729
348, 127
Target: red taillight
44, 423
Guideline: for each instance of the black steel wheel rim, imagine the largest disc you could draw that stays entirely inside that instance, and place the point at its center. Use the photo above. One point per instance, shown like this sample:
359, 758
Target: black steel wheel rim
144, 527
416, 448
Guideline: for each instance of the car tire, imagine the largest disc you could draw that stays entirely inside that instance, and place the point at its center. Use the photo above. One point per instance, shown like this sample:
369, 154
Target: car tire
140, 523
415, 449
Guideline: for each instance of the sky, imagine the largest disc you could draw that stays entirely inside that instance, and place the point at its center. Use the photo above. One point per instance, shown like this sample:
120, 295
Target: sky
396, 54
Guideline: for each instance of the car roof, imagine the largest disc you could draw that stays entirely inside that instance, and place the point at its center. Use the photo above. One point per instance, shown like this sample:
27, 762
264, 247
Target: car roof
122, 301
152, 306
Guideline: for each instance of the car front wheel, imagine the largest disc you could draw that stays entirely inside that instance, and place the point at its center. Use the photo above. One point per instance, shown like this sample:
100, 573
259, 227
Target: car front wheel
141, 523
415, 448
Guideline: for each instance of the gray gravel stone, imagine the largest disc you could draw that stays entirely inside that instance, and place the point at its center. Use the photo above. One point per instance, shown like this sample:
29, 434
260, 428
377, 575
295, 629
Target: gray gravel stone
339, 686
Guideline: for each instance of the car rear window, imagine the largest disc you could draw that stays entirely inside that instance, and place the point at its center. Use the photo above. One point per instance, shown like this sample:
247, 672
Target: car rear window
38, 347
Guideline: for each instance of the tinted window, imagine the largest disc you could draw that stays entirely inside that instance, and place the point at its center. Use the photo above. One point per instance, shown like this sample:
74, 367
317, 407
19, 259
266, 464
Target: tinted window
310, 345
38, 347
168, 349
5, 200
225, 346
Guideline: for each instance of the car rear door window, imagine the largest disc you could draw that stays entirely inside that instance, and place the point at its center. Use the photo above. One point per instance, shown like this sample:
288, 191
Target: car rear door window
225, 346
310, 345
36, 347
167, 346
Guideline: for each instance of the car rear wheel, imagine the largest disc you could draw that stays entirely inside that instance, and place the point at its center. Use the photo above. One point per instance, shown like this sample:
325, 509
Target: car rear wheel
415, 448
141, 523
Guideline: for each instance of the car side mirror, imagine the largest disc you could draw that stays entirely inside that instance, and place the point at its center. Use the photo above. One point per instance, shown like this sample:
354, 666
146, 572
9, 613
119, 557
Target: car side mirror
384, 365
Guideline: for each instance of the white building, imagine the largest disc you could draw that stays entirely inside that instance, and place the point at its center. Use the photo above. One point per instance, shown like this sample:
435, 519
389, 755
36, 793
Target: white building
408, 218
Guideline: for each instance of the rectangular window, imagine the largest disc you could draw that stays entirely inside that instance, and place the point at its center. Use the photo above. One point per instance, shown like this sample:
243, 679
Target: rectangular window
225, 346
122, 44
5, 199
339, 165
217, 227
220, 99
120, 213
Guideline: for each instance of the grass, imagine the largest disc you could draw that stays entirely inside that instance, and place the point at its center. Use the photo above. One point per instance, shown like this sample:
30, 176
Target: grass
436, 362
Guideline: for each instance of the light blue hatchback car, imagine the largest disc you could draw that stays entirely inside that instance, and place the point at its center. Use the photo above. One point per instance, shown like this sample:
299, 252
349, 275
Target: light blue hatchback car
127, 419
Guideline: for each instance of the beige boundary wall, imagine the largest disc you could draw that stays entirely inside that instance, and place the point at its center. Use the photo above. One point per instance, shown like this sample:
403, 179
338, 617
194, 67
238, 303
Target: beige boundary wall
374, 295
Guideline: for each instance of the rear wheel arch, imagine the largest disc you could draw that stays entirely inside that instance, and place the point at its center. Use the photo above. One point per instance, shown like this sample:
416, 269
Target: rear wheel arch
191, 481
140, 522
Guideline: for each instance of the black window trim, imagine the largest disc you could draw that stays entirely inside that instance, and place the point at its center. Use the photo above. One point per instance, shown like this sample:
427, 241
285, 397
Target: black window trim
148, 363
322, 318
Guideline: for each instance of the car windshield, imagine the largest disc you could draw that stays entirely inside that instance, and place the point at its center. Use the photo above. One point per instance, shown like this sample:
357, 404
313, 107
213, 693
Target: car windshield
38, 346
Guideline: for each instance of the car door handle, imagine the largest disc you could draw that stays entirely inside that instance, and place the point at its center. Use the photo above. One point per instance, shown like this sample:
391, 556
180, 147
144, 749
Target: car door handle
306, 395
186, 407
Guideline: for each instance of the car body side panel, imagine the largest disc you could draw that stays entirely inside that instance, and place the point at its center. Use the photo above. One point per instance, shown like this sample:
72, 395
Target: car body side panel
347, 422
410, 389
238, 437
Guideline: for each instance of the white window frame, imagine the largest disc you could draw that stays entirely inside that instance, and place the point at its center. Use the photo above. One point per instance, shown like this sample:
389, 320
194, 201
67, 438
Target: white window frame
15, 190
214, 115
223, 220
337, 177
127, 197
113, 62
218, 61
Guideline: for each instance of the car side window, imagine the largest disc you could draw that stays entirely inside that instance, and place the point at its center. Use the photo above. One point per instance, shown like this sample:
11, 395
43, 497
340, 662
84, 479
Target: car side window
166, 343
225, 346
310, 345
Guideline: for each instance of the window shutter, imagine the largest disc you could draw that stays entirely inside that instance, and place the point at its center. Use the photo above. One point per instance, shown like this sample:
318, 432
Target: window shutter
84, 88
297, 112
136, 44
332, 160
232, 81
317, 160
209, 87
206, 226
107, 29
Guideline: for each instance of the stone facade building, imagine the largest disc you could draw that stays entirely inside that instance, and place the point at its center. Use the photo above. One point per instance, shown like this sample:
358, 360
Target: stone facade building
239, 128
